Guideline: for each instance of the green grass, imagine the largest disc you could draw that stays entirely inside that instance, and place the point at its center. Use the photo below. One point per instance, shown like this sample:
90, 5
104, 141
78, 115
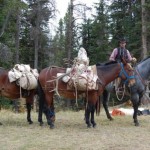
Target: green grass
71, 133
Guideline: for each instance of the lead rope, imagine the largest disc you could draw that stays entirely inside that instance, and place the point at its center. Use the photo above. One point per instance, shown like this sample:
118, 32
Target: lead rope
117, 95
75, 92
20, 89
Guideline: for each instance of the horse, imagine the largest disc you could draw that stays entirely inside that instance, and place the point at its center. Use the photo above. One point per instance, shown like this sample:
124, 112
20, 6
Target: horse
12, 91
136, 92
47, 85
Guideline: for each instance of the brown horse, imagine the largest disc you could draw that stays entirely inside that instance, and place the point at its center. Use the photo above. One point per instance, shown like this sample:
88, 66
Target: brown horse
106, 73
12, 91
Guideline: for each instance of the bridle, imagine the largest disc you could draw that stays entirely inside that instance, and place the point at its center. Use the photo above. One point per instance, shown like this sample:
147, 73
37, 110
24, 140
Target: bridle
123, 72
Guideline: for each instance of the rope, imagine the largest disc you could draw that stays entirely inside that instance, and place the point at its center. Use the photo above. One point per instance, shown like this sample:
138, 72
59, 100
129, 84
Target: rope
20, 89
76, 92
117, 95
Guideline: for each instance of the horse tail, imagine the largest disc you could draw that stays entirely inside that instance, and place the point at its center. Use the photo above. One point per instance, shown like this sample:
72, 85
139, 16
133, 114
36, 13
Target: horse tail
98, 106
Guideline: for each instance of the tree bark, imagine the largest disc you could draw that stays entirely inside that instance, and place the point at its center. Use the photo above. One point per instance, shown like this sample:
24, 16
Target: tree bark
17, 35
5, 23
144, 34
70, 28
36, 38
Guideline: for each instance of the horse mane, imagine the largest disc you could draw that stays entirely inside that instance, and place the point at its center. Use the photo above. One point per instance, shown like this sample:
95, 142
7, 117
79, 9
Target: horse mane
106, 63
144, 59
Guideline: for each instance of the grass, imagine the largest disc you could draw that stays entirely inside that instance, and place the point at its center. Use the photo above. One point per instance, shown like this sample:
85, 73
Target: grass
71, 133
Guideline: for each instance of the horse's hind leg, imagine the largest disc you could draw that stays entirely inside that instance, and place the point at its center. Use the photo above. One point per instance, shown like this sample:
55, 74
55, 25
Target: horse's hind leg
49, 109
28, 105
106, 96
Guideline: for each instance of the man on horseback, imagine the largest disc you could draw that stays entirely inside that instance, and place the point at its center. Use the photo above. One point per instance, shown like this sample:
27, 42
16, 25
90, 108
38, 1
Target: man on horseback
119, 54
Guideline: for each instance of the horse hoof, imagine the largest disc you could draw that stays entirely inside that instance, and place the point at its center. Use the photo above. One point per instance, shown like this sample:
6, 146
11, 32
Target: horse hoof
30, 122
41, 123
52, 126
88, 126
137, 124
94, 125
111, 119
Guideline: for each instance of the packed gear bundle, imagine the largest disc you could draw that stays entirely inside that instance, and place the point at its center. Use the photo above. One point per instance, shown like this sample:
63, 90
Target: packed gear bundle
81, 76
24, 75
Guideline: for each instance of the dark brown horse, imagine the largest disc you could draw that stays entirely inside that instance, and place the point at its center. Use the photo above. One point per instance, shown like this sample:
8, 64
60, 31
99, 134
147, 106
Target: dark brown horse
106, 73
12, 91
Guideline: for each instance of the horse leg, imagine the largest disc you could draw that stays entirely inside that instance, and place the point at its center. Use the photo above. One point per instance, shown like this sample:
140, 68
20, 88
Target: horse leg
106, 96
41, 95
135, 102
92, 116
41, 107
49, 110
87, 116
50, 115
28, 105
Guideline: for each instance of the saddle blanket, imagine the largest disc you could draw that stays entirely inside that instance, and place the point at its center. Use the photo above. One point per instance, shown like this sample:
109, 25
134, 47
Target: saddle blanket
24, 75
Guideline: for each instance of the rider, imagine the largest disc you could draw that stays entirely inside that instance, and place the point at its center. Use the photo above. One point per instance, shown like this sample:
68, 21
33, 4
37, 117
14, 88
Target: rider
119, 53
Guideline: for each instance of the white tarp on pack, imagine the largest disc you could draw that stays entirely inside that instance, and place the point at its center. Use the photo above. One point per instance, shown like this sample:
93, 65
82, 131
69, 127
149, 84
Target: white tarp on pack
25, 76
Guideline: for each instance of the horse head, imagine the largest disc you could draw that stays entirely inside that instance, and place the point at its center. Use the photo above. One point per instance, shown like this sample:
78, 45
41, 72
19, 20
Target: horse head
127, 74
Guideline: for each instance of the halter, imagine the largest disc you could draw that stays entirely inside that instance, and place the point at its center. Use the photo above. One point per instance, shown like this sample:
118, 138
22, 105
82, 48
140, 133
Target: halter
126, 75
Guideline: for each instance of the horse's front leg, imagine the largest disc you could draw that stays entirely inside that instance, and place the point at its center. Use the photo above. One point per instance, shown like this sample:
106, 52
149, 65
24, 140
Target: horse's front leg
28, 105
136, 122
92, 116
41, 110
40, 120
87, 116
135, 102
106, 96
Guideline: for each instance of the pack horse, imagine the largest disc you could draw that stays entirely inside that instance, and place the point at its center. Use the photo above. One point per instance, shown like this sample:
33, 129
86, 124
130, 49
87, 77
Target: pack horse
48, 85
12, 85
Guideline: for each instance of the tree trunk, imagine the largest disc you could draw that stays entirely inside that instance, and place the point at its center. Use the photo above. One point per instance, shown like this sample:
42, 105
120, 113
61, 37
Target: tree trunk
36, 38
17, 35
70, 28
5, 24
144, 34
